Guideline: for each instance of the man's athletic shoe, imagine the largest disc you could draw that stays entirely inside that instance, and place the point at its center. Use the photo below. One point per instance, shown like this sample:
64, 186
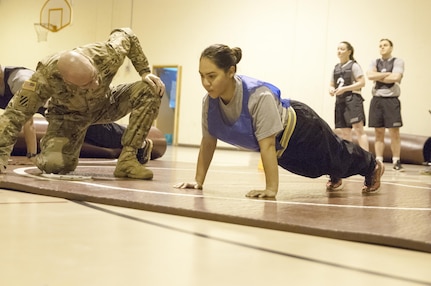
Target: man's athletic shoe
427, 171
144, 154
398, 167
334, 185
372, 182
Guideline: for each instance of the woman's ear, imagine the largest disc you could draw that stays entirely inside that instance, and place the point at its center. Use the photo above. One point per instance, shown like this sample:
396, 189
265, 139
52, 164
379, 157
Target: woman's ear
231, 71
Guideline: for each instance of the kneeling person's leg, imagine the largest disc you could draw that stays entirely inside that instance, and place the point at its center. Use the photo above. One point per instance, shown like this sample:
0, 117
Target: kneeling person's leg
144, 105
60, 147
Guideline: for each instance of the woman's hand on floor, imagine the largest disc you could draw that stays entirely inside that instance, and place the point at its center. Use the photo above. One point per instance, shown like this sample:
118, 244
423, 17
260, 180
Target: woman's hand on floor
188, 186
261, 194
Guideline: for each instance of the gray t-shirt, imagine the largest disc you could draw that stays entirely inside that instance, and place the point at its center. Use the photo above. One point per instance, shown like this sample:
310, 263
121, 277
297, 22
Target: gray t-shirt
16, 79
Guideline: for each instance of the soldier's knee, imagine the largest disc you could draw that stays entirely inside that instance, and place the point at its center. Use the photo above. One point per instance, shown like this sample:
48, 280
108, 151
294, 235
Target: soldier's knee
56, 163
145, 96
52, 159
146, 90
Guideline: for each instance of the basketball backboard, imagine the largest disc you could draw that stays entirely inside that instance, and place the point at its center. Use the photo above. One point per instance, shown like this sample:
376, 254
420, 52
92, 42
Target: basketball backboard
55, 15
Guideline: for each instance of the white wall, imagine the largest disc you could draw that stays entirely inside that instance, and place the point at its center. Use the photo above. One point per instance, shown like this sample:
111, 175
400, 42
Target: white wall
291, 43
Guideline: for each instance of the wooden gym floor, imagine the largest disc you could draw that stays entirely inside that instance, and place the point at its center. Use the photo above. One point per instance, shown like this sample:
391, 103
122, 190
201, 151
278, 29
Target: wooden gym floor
108, 231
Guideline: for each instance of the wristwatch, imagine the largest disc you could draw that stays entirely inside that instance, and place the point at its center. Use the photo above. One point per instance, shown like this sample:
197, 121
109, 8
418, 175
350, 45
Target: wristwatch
31, 155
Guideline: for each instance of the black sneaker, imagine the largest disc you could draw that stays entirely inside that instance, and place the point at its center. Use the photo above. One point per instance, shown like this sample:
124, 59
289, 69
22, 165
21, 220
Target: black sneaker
397, 167
334, 185
144, 154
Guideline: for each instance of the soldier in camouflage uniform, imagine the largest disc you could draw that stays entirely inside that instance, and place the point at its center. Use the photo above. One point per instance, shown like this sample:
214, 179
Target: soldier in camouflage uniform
77, 82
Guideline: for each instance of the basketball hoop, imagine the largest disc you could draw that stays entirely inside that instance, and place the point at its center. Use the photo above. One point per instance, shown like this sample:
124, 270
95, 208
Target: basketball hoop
55, 15
41, 31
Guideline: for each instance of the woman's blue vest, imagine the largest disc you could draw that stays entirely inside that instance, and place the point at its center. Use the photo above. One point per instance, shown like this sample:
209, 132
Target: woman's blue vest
241, 132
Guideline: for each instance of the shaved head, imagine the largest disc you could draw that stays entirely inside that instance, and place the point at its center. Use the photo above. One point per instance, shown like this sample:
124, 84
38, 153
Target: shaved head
77, 69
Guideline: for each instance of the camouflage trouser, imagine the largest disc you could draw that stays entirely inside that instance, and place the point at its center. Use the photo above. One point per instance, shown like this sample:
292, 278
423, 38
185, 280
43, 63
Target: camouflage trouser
61, 145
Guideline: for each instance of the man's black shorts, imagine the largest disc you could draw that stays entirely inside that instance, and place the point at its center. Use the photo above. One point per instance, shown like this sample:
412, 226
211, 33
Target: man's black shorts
385, 112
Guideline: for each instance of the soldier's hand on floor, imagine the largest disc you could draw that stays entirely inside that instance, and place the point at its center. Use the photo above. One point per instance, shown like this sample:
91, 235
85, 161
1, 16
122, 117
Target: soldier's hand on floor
2, 169
261, 194
188, 186
155, 82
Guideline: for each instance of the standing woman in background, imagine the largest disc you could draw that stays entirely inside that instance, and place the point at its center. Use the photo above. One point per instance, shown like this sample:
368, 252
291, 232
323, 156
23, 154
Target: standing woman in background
345, 85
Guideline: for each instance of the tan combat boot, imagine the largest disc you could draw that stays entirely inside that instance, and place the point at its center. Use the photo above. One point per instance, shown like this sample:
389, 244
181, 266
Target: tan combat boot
129, 167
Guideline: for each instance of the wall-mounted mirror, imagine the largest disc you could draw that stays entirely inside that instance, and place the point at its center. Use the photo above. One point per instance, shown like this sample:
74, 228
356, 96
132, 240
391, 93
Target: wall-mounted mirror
167, 121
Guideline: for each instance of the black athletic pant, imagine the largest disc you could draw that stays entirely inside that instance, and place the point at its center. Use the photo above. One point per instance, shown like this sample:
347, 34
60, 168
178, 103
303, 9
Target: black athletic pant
105, 135
315, 150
